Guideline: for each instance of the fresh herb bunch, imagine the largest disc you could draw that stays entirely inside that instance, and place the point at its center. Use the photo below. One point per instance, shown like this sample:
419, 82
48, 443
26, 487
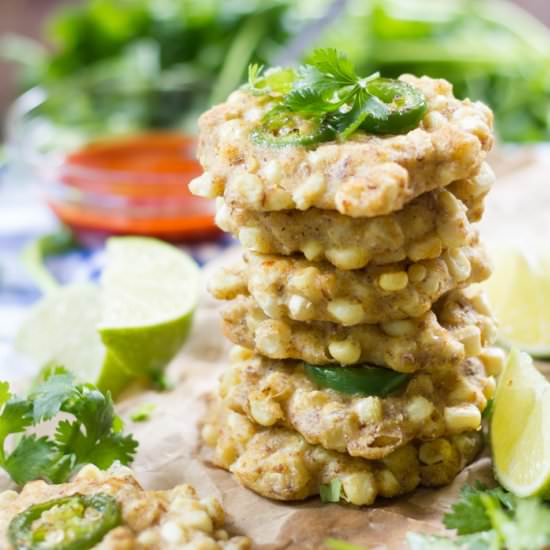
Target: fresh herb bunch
93, 436
328, 94
491, 519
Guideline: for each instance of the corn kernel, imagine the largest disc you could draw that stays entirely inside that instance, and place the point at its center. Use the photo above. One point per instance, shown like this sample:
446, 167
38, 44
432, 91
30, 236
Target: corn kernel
435, 452
493, 360
345, 311
304, 281
359, 488
345, 352
171, 532
272, 172
484, 179
300, 308
392, 282
387, 483
397, 329
272, 338
369, 410
265, 412
428, 248
434, 120
223, 215
470, 337
347, 258
278, 199
238, 353
206, 186
458, 264
312, 250
419, 409
417, 273
309, 191
489, 388
254, 239
249, 189
462, 418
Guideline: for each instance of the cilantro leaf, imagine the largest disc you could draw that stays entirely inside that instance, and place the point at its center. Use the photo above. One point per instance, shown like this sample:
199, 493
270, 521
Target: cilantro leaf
114, 446
469, 514
93, 435
527, 529
335, 65
51, 394
330, 492
33, 458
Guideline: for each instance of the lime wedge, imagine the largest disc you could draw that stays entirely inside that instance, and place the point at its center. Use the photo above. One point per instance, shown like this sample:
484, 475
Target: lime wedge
62, 329
519, 292
150, 290
520, 428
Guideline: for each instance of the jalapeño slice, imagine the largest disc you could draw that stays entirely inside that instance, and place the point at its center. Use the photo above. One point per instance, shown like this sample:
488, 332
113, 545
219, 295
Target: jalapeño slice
361, 380
399, 107
280, 129
74, 522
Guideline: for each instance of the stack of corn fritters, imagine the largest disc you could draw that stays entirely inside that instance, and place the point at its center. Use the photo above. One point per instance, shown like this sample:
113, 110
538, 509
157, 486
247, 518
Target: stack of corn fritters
356, 252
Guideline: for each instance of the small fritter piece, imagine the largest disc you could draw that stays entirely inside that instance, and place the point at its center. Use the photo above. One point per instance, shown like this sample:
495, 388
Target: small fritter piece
292, 288
466, 326
426, 227
440, 403
365, 176
151, 520
278, 463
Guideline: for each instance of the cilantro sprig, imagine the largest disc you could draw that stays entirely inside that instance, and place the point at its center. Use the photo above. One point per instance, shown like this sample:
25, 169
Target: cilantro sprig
332, 101
491, 519
89, 433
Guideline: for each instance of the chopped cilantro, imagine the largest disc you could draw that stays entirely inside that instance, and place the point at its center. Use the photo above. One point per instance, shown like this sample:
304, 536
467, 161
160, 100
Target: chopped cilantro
143, 412
330, 492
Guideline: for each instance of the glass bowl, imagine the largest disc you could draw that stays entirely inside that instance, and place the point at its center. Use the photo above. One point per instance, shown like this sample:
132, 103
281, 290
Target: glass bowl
105, 174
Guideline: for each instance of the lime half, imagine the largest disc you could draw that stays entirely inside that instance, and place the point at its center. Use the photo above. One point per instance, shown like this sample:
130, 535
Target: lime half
149, 292
520, 428
519, 292
62, 329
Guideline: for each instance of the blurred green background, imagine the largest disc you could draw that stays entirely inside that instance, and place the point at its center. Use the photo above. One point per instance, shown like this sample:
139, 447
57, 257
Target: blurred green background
170, 59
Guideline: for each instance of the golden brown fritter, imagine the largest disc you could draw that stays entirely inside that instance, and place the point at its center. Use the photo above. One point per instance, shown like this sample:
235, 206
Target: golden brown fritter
430, 224
459, 326
278, 463
152, 520
434, 404
365, 176
293, 288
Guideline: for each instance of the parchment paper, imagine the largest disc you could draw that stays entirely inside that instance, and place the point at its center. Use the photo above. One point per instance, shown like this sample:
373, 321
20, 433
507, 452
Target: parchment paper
169, 442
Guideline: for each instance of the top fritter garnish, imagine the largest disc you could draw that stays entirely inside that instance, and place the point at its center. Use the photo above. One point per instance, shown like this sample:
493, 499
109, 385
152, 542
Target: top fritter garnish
325, 100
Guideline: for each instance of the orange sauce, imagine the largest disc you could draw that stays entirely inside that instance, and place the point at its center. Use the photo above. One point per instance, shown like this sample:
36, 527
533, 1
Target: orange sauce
134, 185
